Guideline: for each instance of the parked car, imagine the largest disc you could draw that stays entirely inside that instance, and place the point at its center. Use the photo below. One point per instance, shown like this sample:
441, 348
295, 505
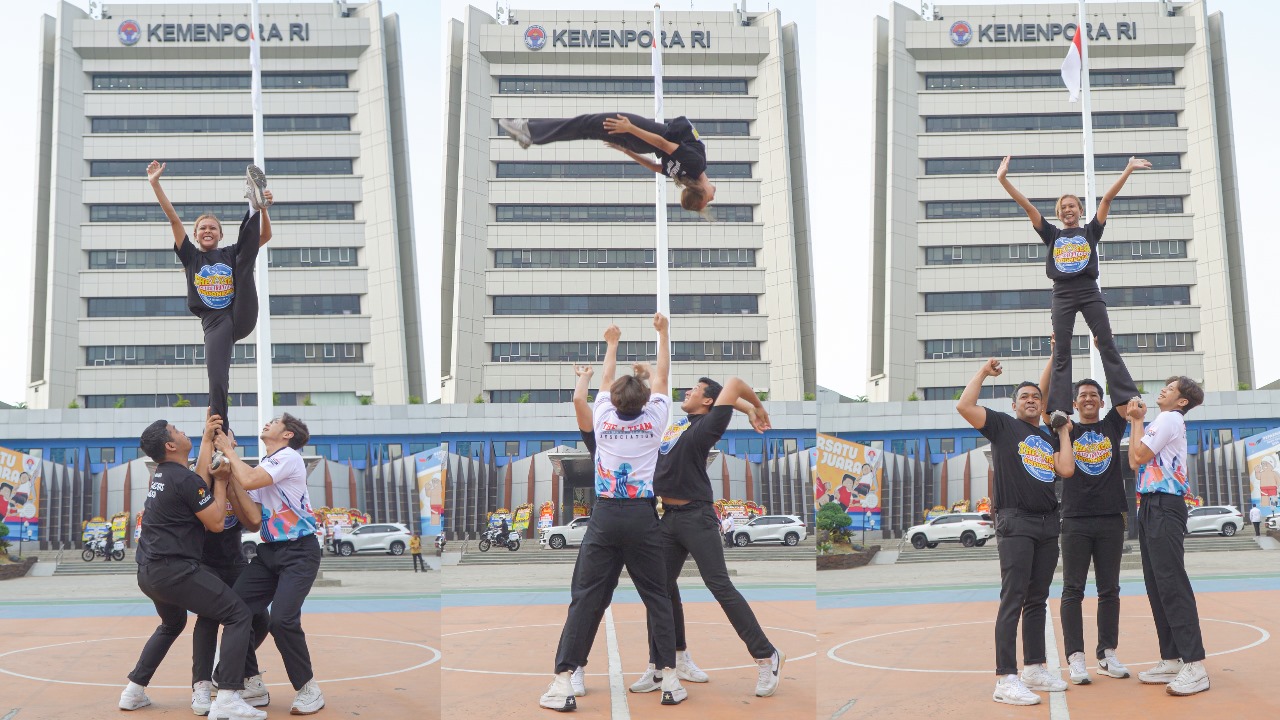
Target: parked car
391, 538
786, 529
1272, 522
249, 542
562, 536
1224, 520
968, 529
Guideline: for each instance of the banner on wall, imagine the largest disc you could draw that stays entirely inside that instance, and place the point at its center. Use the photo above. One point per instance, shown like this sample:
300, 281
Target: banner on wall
1262, 455
96, 528
497, 516
521, 521
20, 495
849, 473
741, 511
546, 516
431, 471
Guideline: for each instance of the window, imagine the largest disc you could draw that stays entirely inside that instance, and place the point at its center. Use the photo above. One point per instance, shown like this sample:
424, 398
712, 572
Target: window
622, 258
1043, 164
301, 257
633, 350
218, 81
1027, 80
1039, 299
315, 304
533, 396
222, 168
619, 86
621, 304
1056, 121
188, 212
1000, 209
614, 213
219, 124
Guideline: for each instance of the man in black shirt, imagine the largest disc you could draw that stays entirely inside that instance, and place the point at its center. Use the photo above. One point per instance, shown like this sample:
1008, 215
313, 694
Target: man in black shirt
1026, 458
179, 508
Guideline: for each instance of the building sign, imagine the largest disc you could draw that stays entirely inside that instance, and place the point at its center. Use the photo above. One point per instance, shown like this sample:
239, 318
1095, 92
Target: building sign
535, 38
129, 32
962, 32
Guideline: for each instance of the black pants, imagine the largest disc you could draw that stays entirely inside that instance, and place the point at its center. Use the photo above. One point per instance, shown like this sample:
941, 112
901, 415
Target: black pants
281, 575
204, 639
177, 586
1162, 522
1082, 295
694, 530
419, 562
1100, 539
591, 127
1257, 529
224, 328
1028, 556
622, 532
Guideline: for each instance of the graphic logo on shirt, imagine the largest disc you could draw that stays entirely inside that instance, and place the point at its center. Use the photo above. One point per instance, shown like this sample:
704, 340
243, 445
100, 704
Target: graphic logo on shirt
129, 33
961, 33
1037, 457
619, 483
535, 38
672, 435
1071, 254
1155, 477
673, 168
1093, 452
200, 492
230, 520
215, 285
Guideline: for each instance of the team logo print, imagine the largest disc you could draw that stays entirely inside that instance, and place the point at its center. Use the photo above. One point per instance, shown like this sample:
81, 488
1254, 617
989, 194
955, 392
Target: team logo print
961, 33
1071, 254
230, 520
672, 435
535, 38
129, 33
1093, 452
201, 493
215, 285
1037, 457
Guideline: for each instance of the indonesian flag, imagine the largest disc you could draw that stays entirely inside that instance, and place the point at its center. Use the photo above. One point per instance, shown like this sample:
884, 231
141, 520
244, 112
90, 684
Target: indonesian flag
1071, 67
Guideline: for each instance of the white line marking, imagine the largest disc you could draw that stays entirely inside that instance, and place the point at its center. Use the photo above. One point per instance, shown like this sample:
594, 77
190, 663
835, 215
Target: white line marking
1057, 700
617, 687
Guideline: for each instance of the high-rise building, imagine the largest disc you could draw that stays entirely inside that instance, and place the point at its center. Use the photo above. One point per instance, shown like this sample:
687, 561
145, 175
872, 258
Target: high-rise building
110, 325
957, 272
545, 247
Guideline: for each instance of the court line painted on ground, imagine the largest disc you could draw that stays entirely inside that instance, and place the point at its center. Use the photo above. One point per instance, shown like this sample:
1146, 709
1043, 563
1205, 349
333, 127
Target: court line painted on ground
142, 607
560, 595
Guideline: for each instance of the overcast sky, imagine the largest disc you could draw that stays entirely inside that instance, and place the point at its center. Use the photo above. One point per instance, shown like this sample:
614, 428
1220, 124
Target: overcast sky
836, 56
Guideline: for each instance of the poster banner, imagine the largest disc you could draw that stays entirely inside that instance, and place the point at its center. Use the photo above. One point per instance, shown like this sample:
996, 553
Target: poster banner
521, 522
546, 516
431, 471
497, 516
20, 495
850, 474
1262, 455
741, 511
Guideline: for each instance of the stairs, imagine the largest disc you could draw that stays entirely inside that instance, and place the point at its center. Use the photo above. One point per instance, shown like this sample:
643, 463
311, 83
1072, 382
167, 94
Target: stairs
531, 553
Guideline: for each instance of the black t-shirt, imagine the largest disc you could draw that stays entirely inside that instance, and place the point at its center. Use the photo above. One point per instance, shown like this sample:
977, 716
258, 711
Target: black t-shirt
1097, 488
170, 528
689, 159
211, 284
682, 457
223, 549
1023, 458
1073, 252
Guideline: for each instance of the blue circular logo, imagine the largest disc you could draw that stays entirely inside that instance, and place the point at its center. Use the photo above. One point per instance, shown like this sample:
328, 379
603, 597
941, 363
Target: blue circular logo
1093, 452
535, 38
1037, 457
215, 286
129, 33
961, 33
1071, 254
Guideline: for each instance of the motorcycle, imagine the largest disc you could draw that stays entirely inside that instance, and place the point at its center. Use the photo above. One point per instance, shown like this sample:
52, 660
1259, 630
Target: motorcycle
493, 536
97, 548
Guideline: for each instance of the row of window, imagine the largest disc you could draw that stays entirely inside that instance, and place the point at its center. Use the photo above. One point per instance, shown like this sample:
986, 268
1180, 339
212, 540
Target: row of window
188, 212
220, 124
1048, 79
218, 81
615, 213
619, 86
163, 400
999, 209
242, 354
1037, 253
623, 304
177, 306
167, 259
705, 128
605, 170
989, 392
1048, 121
1039, 299
1039, 346
1044, 164
631, 351
221, 168
623, 258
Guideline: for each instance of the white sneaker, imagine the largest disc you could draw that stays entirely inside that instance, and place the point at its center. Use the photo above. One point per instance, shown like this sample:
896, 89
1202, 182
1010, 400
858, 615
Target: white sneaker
1191, 679
1079, 674
769, 673
201, 697
1011, 691
578, 681
133, 698
255, 182
1163, 673
559, 695
518, 129
228, 705
650, 681
215, 463
687, 670
1038, 677
255, 692
673, 693
1111, 666
308, 701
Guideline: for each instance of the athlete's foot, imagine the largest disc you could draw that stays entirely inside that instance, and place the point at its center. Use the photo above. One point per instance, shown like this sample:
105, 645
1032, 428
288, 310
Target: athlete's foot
255, 182
215, 463
1111, 666
578, 681
559, 695
687, 670
769, 673
1011, 691
230, 706
308, 701
1039, 677
255, 692
650, 681
1079, 673
518, 129
1163, 673
1191, 679
201, 697
1058, 419
673, 693
133, 697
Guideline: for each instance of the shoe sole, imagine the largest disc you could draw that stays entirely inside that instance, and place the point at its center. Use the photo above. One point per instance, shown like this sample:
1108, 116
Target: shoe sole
1086, 680
296, 711
258, 180
669, 698
782, 660
1043, 688
253, 702
1011, 701
524, 144
633, 688
1109, 673
200, 713
1158, 681
1169, 689
136, 707
569, 706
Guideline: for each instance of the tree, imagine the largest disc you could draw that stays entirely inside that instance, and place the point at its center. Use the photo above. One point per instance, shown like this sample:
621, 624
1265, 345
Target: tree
479, 399
366, 399
524, 398
913, 397
415, 400
119, 403
182, 402
832, 518
810, 396
763, 395
73, 405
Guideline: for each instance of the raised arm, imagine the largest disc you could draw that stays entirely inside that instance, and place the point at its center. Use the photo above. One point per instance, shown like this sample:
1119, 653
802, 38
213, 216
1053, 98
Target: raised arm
1064, 461
622, 125
1139, 453
248, 512
739, 394
1037, 220
250, 478
214, 514
154, 171
581, 408
967, 405
661, 384
610, 371
264, 236
212, 424
1104, 207
652, 165
1046, 376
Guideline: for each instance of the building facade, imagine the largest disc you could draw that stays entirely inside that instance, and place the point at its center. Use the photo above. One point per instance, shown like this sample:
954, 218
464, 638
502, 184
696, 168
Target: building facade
110, 326
957, 274
545, 247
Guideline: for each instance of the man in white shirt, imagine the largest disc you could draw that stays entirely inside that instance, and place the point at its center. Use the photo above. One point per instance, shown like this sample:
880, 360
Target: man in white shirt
726, 529
1255, 517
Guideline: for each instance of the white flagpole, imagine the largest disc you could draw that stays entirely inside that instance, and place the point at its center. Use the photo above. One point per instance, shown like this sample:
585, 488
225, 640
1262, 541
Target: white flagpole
1090, 184
265, 387
660, 208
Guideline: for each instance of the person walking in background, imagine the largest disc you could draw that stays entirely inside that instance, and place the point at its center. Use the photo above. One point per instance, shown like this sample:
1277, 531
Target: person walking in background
726, 529
415, 549
1255, 517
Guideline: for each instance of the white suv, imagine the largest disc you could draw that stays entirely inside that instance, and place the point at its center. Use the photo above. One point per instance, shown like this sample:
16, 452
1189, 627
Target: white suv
1224, 520
392, 538
786, 529
968, 529
562, 536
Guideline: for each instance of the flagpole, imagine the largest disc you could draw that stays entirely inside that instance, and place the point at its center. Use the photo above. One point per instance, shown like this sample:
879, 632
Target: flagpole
265, 394
1090, 184
660, 209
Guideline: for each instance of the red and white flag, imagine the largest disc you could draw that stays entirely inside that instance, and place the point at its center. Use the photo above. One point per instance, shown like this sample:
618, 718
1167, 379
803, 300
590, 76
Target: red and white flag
1071, 67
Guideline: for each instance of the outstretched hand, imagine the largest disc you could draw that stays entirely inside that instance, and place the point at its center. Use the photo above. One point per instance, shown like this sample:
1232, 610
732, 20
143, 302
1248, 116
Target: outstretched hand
1138, 164
612, 334
269, 199
620, 125
155, 170
991, 368
660, 322
759, 418
1004, 168
583, 371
